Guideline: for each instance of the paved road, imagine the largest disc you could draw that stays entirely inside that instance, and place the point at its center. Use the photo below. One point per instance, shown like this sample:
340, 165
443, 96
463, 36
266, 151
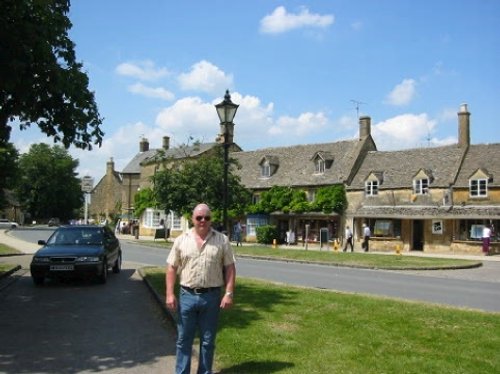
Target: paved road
80, 327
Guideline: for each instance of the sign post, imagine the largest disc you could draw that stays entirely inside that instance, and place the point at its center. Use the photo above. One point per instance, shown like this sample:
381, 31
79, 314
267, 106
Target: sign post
87, 186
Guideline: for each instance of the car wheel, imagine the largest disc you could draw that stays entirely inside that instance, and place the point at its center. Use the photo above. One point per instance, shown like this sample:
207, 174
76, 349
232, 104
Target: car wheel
103, 277
117, 267
38, 280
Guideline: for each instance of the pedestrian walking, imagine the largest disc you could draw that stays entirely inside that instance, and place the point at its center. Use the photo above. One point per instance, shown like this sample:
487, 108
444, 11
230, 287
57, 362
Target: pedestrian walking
204, 261
348, 239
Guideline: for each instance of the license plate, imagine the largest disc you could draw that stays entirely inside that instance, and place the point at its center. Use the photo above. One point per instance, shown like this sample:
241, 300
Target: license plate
62, 267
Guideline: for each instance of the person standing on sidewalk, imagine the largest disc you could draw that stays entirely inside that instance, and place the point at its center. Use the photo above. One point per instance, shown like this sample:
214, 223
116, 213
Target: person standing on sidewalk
486, 239
348, 239
366, 237
204, 261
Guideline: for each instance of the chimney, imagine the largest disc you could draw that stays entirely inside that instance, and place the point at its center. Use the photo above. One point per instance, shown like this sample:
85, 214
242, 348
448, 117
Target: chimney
144, 145
364, 127
110, 167
463, 127
166, 143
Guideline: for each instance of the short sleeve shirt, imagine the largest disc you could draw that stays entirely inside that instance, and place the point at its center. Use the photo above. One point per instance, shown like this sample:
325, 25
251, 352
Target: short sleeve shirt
201, 267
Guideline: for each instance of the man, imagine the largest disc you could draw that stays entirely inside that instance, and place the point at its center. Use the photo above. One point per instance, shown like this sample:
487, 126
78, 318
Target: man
204, 260
486, 239
348, 239
366, 237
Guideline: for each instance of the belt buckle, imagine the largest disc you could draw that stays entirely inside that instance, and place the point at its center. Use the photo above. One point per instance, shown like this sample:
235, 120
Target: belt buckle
197, 291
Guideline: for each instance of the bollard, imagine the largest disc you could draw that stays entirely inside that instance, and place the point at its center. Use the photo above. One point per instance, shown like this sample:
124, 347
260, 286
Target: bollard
274, 243
335, 245
398, 250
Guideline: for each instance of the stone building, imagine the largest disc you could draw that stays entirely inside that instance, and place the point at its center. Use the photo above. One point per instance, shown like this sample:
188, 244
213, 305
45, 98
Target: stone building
106, 195
428, 199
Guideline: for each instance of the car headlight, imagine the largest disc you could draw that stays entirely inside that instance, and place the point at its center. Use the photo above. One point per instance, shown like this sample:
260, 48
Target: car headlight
88, 259
41, 259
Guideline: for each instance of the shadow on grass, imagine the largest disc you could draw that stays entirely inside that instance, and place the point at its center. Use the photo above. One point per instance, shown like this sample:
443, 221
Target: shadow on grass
257, 367
252, 301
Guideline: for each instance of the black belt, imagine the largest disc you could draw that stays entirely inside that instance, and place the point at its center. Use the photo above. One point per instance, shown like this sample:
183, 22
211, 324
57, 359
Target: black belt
198, 291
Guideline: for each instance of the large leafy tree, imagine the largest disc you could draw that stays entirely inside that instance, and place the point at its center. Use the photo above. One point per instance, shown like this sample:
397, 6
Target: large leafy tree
48, 186
190, 182
8, 169
41, 81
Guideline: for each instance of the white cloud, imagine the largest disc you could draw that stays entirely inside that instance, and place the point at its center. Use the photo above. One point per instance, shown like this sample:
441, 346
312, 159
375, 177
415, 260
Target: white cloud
144, 70
304, 124
403, 93
404, 131
280, 21
154, 92
206, 77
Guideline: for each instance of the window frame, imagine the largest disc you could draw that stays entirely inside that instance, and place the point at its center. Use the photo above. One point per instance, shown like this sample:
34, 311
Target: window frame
371, 187
478, 187
421, 186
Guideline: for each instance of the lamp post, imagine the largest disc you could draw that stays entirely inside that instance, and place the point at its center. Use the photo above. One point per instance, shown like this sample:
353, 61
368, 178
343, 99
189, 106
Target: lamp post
226, 110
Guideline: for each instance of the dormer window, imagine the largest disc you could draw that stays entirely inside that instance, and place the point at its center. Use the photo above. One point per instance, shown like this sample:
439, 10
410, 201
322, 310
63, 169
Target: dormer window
371, 188
319, 166
268, 166
421, 186
421, 182
265, 169
478, 187
478, 183
322, 161
372, 183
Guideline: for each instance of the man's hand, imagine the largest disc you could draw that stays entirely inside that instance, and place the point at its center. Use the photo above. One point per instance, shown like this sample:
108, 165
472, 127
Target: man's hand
226, 302
172, 303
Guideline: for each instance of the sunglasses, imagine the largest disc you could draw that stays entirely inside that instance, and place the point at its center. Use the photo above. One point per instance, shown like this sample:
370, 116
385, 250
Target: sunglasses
200, 218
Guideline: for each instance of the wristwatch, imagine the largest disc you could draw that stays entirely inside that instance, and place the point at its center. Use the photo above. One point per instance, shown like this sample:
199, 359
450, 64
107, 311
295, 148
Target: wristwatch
230, 294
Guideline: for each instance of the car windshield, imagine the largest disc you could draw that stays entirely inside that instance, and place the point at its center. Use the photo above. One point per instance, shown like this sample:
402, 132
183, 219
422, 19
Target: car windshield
83, 236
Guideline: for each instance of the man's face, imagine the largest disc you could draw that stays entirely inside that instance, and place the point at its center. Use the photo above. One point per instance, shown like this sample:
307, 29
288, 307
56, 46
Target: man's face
202, 218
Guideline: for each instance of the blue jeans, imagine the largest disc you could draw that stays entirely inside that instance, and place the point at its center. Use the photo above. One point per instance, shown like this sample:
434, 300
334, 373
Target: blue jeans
197, 311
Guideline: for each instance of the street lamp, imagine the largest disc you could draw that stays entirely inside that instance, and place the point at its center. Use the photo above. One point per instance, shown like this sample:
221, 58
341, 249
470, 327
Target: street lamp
226, 110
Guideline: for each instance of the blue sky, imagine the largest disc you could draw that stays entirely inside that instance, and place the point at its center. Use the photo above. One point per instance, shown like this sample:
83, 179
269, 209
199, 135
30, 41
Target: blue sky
297, 69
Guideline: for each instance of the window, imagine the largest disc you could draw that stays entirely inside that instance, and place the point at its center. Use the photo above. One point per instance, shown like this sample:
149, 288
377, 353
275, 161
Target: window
371, 188
320, 166
472, 229
387, 228
265, 169
254, 221
173, 221
478, 187
421, 186
151, 217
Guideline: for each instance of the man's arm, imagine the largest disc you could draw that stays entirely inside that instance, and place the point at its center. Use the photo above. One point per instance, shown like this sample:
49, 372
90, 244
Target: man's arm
170, 278
230, 280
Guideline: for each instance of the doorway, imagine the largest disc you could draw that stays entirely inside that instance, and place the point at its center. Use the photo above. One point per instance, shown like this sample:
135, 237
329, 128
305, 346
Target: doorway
418, 235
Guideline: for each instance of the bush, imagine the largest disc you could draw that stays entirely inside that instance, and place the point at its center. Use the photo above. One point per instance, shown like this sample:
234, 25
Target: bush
266, 234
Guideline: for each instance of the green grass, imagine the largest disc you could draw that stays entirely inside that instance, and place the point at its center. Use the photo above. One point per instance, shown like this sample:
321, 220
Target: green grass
360, 259
275, 328
356, 259
7, 251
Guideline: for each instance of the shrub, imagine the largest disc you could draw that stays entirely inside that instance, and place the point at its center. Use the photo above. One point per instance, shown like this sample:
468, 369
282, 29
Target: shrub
266, 234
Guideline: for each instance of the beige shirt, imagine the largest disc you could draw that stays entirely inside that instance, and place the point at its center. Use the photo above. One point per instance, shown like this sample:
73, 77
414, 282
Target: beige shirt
201, 267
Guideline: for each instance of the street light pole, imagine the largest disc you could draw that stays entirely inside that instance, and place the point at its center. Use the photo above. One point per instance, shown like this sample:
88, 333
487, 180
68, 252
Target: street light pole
226, 110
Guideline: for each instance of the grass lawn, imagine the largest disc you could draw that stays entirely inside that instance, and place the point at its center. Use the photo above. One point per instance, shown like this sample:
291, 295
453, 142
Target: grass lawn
275, 328
358, 259
7, 251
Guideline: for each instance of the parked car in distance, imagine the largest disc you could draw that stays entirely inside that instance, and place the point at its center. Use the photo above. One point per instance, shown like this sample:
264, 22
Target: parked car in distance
54, 222
79, 251
6, 224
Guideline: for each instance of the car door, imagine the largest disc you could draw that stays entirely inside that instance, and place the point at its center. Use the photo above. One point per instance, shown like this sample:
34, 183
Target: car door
111, 245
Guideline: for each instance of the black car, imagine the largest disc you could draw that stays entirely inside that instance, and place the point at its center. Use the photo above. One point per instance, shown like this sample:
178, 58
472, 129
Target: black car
77, 251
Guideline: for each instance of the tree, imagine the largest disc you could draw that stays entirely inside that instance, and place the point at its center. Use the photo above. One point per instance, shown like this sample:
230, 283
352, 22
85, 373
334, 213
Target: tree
41, 81
8, 169
330, 199
48, 186
193, 181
